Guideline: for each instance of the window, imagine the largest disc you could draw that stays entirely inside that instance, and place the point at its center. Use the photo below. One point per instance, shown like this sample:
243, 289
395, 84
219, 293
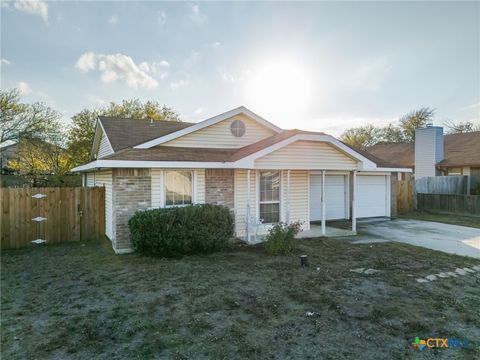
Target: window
237, 128
178, 188
270, 196
455, 171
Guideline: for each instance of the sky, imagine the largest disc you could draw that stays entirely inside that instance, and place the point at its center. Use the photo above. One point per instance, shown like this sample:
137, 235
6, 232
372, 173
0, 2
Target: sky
324, 66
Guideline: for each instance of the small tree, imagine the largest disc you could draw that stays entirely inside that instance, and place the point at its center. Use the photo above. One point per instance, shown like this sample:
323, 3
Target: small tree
414, 120
461, 127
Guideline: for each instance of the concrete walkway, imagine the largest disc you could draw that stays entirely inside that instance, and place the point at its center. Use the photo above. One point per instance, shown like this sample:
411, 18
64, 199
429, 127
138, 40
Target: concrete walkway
452, 239
316, 231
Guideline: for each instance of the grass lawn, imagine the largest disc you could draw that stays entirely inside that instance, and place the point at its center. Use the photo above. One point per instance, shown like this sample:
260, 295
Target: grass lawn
443, 218
79, 300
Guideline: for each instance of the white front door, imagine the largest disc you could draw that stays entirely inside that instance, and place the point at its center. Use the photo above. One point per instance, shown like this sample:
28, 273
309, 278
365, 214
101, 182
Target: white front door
371, 196
335, 197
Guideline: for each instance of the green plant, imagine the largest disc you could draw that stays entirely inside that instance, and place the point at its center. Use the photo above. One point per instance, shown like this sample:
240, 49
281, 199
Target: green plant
281, 237
176, 231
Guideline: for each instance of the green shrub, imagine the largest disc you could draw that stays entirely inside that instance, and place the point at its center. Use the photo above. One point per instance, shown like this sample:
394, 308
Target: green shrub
176, 231
281, 238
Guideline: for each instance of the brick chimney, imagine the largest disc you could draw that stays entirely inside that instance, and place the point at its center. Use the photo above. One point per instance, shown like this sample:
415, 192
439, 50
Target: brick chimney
428, 150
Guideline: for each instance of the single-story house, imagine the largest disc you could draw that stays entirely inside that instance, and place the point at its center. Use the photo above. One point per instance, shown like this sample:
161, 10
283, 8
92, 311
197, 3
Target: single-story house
262, 173
435, 154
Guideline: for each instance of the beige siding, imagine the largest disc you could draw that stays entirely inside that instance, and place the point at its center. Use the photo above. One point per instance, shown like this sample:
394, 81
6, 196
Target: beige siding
104, 178
104, 149
90, 179
200, 186
241, 199
219, 135
306, 155
158, 187
295, 203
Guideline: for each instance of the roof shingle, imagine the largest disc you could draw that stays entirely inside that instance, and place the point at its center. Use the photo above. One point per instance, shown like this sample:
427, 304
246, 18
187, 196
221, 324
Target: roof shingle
124, 133
459, 150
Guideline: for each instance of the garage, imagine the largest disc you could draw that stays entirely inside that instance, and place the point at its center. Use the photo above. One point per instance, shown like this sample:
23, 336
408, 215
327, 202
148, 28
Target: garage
336, 192
372, 196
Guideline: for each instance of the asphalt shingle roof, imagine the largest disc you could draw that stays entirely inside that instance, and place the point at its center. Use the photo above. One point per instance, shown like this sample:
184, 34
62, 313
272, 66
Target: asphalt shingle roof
459, 150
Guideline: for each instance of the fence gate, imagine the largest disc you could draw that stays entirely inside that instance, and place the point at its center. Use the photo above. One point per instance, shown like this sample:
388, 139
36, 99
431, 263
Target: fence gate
51, 215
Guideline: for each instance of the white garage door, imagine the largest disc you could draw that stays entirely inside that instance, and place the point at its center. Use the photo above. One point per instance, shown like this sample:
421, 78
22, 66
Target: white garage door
372, 196
335, 192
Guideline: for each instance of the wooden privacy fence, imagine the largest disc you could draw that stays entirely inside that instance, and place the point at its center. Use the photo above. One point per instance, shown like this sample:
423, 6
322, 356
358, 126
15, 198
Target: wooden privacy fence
404, 196
451, 204
442, 185
51, 214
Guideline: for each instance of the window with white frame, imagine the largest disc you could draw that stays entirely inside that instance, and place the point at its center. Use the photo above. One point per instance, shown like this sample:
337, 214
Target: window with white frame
455, 171
178, 187
270, 196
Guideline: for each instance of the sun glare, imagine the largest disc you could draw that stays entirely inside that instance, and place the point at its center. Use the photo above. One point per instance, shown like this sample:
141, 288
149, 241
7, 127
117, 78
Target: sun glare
280, 88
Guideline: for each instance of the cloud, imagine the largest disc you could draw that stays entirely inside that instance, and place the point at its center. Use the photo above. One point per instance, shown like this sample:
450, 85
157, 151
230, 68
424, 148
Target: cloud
370, 75
157, 69
34, 7
162, 17
216, 44
196, 14
199, 111
4, 62
115, 67
113, 19
178, 84
24, 88
96, 100
231, 78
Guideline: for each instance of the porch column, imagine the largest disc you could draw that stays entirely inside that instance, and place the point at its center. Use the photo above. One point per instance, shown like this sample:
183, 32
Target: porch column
354, 208
323, 204
248, 205
287, 217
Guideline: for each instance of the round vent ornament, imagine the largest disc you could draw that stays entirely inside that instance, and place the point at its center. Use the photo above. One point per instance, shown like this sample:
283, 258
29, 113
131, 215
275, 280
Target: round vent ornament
237, 128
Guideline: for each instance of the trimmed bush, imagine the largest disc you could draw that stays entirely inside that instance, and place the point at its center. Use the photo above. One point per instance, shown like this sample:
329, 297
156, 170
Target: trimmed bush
176, 231
281, 238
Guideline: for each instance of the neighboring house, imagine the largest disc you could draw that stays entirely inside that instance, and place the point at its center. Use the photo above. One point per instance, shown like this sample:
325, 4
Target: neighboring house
8, 152
262, 173
435, 154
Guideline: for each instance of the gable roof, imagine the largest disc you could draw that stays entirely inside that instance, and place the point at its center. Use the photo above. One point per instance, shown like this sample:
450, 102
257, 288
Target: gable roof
123, 133
203, 124
459, 150
258, 149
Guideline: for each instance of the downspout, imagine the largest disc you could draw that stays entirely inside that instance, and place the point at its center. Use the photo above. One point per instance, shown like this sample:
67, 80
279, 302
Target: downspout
248, 205
354, 207
288, 197
323, 204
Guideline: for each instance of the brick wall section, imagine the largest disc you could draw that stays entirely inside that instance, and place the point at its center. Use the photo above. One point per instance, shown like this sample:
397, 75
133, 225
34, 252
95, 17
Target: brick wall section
131, 192
393, 194
219, 187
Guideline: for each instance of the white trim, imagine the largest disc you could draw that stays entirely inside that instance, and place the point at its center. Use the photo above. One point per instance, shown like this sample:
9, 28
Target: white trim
193, 188
406, 170
208, 122
257, 196
100, 140
354, 202
324, 206
388, 196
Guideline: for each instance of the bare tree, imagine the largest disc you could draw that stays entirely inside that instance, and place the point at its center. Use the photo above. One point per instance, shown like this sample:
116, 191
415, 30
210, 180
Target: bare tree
18, 120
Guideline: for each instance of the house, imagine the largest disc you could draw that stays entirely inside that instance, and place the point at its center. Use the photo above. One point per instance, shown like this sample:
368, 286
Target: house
262, 173
7, 153
435, 154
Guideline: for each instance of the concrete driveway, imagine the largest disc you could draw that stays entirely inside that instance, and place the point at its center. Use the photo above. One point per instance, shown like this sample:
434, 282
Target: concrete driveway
452, 239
